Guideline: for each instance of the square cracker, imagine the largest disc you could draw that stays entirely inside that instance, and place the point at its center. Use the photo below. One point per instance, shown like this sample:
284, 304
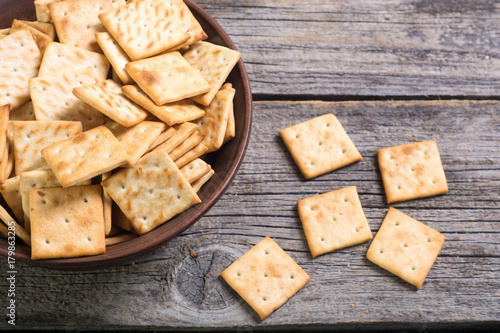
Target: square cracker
167, 78
265, 277
152, 192
214, 123
107, 97
41, 39
66, 222
333, 220
115, 54
30, 137
319, 145
136, 139
145, 28
77, 21
405, 247
214, 63
412, 171
36, 179
20, 61
12, 195
193, 27
53, 98
171, 113
85, 156
59, 58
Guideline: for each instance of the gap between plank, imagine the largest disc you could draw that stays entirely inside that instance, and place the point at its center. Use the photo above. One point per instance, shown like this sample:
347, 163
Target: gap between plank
362, 98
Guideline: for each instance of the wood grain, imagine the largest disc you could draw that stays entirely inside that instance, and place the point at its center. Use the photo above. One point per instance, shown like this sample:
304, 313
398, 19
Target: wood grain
369, 48
173, 289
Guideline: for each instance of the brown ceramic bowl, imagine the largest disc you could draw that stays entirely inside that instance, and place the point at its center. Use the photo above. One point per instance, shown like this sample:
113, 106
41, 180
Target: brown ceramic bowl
225, 162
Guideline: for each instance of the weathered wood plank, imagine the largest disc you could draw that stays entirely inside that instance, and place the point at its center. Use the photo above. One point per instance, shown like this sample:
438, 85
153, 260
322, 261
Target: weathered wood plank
170, 289
370, 48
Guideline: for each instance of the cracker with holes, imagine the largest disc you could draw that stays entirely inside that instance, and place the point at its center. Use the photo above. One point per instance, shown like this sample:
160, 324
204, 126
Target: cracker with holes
41, 39
319, 145
167, 78
136, 139
333, 220
85, 156
152, 192
59, 58
107, 97
36, 179
30, 137
405, 247
195, 170
115, 54
20, 62
214, 123
77, 21
412, 171
171, 113
193, 27
145, 28
53, 98
214, 63
265, 277
66, 222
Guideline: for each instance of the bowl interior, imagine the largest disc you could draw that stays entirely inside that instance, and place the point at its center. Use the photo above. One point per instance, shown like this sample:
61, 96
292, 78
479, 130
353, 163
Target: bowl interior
225, 162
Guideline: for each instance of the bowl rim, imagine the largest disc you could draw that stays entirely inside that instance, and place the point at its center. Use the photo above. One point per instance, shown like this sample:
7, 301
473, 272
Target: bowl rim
126, 252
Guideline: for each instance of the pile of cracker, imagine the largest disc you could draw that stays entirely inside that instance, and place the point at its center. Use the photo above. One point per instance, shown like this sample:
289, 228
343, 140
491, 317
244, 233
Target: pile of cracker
266, 276
106, 110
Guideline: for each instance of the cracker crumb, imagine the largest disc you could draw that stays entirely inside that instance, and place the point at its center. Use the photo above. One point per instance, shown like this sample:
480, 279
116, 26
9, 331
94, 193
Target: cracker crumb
352, 305
192, 253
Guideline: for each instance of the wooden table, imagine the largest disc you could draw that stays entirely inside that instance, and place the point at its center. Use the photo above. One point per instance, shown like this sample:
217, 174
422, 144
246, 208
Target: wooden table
393, 72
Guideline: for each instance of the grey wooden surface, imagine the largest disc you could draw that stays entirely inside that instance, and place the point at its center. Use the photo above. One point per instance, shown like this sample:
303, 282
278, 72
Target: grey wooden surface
303, 56
366, 48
